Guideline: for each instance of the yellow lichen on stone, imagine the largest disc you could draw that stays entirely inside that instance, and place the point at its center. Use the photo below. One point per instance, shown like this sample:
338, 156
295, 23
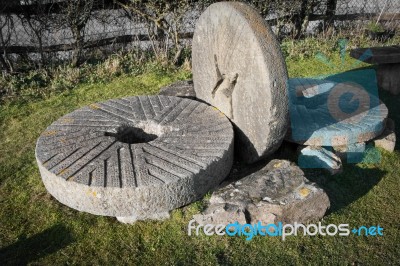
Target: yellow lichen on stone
49, 133
277, 165
91, 192
63, 171
219, 111
304, 192
67, 120
94, 106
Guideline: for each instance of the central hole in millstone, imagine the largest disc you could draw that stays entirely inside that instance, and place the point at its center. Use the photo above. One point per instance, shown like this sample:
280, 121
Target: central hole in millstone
131, 135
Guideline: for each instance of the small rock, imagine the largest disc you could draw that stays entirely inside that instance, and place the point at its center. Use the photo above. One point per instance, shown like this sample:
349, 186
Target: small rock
341, 151
387, 140
352, 153
132, 219
221, 213
268, 199
319, 157
182, 89
355, 152
279, 192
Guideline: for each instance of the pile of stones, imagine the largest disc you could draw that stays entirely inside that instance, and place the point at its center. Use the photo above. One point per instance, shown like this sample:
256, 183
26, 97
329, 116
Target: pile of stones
138, 158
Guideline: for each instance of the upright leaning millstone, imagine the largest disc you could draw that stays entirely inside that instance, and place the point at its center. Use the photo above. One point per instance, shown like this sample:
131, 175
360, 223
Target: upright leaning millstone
135, 158
238, 67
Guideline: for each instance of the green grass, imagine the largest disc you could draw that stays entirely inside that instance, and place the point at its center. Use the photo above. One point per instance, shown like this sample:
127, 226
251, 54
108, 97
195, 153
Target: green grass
35, 228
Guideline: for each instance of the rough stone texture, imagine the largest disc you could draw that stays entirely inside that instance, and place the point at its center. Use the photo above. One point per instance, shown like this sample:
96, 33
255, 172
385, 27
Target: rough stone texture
319, 157
345, 151
322, 114
387, 140
377, 55
341, 151
238, 67
387, 60
389, 78
184, 89
279, 192
135, 157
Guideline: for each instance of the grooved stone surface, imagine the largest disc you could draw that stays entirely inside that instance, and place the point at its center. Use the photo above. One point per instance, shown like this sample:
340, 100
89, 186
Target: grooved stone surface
325, 113
135, 157
238, 67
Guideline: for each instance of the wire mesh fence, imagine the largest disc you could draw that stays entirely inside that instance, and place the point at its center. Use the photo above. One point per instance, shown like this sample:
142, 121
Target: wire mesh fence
46, 32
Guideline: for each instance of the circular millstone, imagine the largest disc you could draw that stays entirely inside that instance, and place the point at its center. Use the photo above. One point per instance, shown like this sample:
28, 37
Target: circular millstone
238, 68
135, 157
326, 113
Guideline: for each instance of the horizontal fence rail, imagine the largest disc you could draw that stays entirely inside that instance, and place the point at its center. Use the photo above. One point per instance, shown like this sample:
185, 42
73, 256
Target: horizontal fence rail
39, 29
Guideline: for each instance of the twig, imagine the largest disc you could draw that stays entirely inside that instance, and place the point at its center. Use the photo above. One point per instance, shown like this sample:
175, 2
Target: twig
383, 9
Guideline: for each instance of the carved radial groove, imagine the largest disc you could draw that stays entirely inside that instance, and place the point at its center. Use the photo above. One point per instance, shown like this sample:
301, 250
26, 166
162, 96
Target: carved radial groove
175, 149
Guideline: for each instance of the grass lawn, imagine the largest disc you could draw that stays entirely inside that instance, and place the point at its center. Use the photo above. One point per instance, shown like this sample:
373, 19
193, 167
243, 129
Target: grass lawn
35, 228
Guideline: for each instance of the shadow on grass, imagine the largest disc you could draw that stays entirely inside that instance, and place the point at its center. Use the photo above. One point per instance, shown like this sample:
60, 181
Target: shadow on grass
30, 249
347, 187
392, 103
342, 189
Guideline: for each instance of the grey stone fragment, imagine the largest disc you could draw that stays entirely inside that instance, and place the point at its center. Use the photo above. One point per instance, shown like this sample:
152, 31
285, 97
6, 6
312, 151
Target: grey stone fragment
388, 77
343, 151
238, 67
387, 140
135, 157
279, 192
222, 213
319, 157
182, 89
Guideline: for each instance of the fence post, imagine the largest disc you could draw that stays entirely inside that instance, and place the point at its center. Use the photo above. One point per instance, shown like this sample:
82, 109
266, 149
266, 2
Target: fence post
330, 13
300, 18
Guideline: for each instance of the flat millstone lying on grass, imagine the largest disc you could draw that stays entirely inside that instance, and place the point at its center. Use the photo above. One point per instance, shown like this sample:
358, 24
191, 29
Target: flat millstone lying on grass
136, 157
238, 67
279, 192
325, 113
